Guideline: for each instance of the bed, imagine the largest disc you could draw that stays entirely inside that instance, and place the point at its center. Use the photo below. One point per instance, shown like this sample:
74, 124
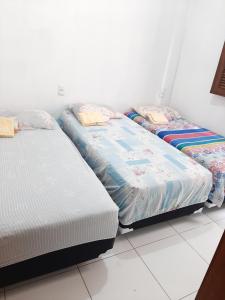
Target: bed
148, 180
54, 211
201, 144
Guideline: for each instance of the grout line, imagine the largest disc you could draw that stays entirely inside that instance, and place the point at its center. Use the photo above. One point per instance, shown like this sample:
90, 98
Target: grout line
192, 246
188, 295
159, 283
84, 282
215, 220
124, 251
186, 230
153, 242
4, 294
208, 215
130, 243
93, 262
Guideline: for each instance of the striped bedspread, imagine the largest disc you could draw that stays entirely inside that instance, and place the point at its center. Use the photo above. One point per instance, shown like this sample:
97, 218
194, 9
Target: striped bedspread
203, 145
207, 148
191, 138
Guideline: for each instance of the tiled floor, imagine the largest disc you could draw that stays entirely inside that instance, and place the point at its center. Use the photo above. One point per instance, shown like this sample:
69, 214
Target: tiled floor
164, 261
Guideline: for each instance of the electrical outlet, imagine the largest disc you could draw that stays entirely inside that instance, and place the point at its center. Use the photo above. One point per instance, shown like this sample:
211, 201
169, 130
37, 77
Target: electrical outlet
60, 90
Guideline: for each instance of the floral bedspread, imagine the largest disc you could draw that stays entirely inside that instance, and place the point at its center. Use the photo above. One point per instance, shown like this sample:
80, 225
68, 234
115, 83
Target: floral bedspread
203, 145
143, 175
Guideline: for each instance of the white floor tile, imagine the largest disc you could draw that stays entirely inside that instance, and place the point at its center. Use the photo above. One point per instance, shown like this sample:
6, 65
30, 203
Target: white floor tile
190, 297
121, 245
150, 234
175, 264
204, 239
221, 223
123, 276
189, 222
66, 286
215, 213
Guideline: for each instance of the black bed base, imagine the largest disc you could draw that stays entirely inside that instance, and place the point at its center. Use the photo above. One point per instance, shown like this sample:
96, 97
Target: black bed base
165, 216
53, 261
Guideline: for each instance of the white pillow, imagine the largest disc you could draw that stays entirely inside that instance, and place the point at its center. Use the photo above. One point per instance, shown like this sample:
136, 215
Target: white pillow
35, 119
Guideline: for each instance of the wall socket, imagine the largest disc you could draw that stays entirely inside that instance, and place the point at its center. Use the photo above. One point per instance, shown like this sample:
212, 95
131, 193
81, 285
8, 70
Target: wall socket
60, 90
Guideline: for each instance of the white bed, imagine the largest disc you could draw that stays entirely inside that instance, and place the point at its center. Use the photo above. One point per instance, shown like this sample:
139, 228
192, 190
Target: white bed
49, 198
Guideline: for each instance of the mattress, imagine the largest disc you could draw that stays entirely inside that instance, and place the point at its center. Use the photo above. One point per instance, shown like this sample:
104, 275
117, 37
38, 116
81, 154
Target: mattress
143, 175
204, 146
50, 199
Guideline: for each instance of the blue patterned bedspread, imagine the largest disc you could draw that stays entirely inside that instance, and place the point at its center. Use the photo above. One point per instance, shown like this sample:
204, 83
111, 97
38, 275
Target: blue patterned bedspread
143, 175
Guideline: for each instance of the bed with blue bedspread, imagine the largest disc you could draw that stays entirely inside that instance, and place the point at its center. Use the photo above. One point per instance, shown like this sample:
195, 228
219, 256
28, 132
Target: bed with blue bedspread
143, 175
204, 146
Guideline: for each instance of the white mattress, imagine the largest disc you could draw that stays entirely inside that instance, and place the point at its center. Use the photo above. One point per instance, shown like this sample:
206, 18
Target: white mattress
49, 198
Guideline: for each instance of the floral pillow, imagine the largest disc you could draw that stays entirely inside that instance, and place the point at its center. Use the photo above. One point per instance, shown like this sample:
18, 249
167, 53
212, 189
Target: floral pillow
169, 112
104, 111
35, 119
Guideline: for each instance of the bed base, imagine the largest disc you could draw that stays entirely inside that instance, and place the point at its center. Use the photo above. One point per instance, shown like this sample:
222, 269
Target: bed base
188, 210
53, 261
64, 258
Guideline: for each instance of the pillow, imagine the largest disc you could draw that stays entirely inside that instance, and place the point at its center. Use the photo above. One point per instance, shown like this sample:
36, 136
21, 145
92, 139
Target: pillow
35, 119
91, 118
157, 118
175, 115
6, 127
6, 113
170, 113
107, 113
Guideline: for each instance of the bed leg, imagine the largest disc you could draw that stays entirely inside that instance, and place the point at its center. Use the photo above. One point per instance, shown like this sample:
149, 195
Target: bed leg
124, 230
209, 204
199, 211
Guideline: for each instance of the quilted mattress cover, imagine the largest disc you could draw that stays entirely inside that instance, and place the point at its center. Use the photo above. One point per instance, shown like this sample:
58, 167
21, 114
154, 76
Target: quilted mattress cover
49, 197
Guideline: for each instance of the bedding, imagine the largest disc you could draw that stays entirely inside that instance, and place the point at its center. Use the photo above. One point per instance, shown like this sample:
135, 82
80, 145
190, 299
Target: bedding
35, 119
143, 175
203, 145
5, 113
157, 118
50, 199
7, 127
106, 113
91, 118
170, 113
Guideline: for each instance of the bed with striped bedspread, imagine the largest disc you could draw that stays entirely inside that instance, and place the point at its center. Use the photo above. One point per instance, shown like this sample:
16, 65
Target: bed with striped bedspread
201, 144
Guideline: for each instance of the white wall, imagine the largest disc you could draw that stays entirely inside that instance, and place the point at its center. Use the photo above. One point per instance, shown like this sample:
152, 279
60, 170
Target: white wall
102, 51
203, 42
